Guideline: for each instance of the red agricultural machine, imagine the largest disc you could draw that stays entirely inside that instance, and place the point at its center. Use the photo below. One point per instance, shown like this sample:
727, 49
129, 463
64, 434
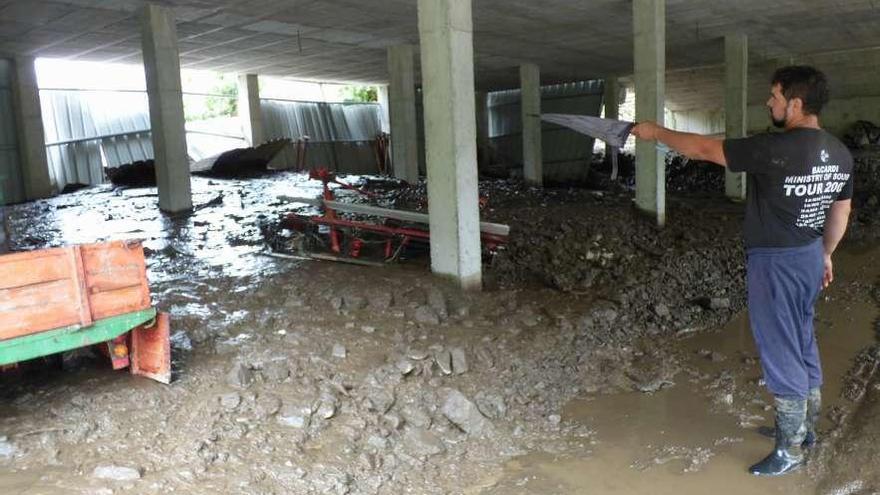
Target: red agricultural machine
336, 235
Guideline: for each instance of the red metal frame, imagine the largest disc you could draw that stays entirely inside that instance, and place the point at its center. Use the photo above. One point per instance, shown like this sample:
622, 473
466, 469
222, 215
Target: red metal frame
331, 219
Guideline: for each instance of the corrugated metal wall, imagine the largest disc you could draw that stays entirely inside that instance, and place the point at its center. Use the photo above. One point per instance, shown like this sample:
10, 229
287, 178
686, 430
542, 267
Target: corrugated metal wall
567, 154
342, 136
10, 169
86, 130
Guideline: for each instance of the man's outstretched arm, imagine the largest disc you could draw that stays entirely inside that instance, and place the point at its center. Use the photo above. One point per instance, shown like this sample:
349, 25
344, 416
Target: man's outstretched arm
694, 146
835, 226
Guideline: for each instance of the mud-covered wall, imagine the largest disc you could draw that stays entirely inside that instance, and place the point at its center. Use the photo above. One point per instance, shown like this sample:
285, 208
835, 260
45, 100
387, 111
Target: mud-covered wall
837, 117
11, 187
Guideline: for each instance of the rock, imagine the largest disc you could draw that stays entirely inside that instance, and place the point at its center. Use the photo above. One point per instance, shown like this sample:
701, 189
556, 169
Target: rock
437, 302
380, 300
426, 315
404, 366
418, 354
459, 361
266, 406
326, 410
181, 341
230, 401
276, 370
554, 419
240, 376
492, 406
416, 416
336, 303
662, 310
714, 303
368, 329
719, 303
7, 449
377, 442
354, 301
116, 473
444, 361
295, 415
465, 414
422, 443
380, 399
339, 351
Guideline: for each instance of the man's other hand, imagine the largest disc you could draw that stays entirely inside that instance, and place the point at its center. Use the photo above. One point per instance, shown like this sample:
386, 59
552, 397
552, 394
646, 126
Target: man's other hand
646, 130
829, 272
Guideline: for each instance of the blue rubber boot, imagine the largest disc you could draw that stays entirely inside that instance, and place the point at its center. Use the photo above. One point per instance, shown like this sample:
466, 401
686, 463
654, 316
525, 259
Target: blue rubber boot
814, 408
791, 431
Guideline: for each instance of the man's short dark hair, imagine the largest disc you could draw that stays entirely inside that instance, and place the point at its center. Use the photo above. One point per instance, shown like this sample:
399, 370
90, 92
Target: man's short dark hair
804, 82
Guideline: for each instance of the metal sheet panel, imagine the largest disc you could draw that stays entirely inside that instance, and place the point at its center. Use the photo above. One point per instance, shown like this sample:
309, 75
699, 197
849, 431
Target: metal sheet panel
566, 153
86, 130
341, 135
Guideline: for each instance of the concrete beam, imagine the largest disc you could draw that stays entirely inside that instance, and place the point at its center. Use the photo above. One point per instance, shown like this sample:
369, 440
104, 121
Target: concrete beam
249, 110
611, 101
402, 99
446, 34
162, 67
481, 107
29, 130
533, 163
649, 43
384, 108
736, 82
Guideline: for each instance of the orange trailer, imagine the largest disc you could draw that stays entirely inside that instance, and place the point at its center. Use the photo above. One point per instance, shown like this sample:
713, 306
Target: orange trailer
59, 299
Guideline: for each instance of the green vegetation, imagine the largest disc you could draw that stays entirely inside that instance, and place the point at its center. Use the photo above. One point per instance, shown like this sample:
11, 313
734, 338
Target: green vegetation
225, 104
360, 94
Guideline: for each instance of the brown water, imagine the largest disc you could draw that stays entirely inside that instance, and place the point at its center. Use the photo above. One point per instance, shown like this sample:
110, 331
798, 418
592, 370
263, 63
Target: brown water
699, 436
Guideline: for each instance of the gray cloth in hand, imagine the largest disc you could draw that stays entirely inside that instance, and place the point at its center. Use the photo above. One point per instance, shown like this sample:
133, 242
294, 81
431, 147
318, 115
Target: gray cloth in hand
613, 132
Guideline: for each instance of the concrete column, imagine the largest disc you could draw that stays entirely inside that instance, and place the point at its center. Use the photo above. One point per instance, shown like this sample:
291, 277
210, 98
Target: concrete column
402, 99
162, 67
249, 111
384, 109
29, 130
446, 34
649, 31
611, 100
481, 107
533, 163
736, 78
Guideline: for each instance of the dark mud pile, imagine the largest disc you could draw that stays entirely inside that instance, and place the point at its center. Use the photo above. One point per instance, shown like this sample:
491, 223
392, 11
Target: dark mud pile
686, 276
865, 221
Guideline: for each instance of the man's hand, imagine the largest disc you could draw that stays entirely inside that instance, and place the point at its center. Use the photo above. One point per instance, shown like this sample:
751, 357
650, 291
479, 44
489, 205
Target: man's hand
690, 145
829, 272
646, 130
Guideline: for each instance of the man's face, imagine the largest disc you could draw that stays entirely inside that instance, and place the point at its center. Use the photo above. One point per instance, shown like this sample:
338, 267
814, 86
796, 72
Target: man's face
778, 106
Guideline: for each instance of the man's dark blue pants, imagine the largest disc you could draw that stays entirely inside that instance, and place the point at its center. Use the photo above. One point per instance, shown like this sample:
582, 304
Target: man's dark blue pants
783, 285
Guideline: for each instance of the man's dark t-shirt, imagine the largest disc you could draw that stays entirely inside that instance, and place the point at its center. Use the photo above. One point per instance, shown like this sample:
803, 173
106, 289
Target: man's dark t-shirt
793, 178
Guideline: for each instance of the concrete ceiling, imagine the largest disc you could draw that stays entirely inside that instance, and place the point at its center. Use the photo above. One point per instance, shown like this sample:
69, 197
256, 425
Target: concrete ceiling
345, 40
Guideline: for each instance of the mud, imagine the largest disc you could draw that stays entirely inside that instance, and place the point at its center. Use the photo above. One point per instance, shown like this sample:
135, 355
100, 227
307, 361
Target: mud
314, 377
700, 435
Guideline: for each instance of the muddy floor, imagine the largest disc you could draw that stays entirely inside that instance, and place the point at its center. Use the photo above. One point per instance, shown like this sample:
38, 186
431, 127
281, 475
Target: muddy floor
605, 356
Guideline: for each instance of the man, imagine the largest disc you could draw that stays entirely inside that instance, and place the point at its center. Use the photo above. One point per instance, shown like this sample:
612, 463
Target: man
799, 187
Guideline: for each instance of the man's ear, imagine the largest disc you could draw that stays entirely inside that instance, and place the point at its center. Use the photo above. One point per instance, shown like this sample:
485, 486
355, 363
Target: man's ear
796, 106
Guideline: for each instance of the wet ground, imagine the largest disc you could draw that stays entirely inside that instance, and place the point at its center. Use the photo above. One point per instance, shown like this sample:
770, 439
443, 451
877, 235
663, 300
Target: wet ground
699, 436
604, 357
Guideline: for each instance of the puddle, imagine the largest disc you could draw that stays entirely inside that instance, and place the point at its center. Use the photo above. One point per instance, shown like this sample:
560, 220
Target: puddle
699, 436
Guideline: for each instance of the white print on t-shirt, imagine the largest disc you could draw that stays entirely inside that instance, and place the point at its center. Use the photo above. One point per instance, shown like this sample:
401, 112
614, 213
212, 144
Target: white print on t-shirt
818, 190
